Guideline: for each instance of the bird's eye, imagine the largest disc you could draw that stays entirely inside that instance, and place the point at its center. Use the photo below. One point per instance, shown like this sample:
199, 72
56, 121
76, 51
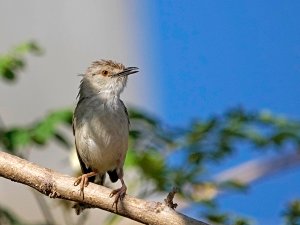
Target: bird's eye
104, 72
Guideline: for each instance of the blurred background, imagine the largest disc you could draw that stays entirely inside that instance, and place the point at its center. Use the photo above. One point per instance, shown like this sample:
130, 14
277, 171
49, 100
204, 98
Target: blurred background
214, 108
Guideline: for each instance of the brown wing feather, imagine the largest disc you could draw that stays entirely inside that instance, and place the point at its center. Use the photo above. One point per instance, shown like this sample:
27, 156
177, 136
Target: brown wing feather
84, 169
126, 111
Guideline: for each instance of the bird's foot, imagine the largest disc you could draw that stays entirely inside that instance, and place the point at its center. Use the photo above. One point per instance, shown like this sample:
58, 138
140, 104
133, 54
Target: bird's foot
119, 195
83, 180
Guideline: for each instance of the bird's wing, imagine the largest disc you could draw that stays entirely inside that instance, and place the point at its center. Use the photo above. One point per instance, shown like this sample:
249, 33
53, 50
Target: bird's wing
83, 167
126, 111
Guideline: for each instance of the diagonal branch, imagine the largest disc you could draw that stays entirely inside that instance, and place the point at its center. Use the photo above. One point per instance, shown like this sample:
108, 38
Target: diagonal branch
56, 185
257, 169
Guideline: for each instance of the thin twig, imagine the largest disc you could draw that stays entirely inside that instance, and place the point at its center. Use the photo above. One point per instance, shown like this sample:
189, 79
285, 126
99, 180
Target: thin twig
169, 200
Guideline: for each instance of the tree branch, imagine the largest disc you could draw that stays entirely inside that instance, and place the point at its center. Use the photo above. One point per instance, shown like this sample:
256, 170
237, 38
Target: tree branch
56, 185
256, 169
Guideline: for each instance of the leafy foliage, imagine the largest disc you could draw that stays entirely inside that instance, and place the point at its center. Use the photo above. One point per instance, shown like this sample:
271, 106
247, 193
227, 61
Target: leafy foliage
165, 156
205, 142
17, 138
226, 219
201, 145
14, 61
292, 213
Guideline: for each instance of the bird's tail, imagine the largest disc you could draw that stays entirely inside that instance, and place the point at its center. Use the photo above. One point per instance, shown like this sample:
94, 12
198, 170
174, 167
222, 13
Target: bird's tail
113, 175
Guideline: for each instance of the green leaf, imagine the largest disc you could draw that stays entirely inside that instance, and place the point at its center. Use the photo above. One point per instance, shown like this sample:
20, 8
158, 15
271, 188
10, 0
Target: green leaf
152, 165
42, 132
27, 47
134, 134
15, 138
199, 130
62, 139
46, 129
217, 218
14, 61
234, 185
61, 116
282, 136
8, 74
136, 115
292, 213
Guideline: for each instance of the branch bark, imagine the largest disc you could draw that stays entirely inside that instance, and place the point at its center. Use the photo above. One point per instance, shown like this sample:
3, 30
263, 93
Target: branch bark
56, 185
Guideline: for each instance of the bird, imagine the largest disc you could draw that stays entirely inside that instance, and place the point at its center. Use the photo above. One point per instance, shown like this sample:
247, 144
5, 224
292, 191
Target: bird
101, 126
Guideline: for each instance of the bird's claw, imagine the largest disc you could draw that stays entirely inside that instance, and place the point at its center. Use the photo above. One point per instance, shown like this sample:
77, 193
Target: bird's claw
119, 193
83, 181
77, 181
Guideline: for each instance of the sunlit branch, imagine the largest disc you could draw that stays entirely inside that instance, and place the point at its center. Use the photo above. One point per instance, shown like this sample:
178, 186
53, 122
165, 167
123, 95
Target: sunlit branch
56, 185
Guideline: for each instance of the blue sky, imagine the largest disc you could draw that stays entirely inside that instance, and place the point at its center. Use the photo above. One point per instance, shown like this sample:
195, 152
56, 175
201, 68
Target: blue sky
212, 55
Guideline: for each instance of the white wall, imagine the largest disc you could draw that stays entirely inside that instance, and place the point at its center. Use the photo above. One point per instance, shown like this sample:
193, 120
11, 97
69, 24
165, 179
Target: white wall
73, 34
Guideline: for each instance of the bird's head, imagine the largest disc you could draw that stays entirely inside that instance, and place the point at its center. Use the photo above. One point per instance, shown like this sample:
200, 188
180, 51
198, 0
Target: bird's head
105, 77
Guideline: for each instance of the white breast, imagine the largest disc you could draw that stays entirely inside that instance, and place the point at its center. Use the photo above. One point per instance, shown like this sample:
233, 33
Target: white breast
101, 134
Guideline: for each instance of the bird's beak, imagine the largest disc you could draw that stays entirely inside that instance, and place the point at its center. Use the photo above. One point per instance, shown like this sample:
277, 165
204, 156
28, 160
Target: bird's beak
127, 71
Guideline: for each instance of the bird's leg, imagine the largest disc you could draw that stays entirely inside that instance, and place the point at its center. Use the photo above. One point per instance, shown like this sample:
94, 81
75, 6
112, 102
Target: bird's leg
119, 193
83, 180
